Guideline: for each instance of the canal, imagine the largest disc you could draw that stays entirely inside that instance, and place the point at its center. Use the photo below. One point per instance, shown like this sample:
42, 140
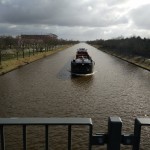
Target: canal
45, 88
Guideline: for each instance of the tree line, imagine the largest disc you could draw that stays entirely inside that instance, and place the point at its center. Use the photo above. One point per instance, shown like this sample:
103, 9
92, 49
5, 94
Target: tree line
9, 42
126, 46
15, 47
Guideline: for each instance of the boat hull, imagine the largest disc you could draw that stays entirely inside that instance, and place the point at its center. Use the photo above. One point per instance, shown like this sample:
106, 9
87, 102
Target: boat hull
82, 68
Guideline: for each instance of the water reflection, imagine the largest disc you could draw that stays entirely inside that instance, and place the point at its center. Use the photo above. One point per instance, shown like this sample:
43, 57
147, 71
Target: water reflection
64, 72
82, 80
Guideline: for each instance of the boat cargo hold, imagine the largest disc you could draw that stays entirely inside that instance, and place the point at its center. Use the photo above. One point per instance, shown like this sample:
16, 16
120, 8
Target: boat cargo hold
82, 64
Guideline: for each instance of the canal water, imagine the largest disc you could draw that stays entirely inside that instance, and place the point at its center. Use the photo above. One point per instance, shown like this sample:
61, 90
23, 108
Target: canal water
45, 88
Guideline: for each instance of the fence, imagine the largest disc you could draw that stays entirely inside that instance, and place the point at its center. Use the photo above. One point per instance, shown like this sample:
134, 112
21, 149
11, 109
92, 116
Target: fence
114, 138
23, 52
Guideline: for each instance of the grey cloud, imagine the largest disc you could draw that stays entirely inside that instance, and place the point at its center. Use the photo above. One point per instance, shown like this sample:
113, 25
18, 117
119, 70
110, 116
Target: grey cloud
21, 12
115, 2
140, 16
63, 13
79, 19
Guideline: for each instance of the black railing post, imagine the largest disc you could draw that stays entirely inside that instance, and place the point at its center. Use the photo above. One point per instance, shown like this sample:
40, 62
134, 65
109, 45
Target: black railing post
2, 137
139, 122
137, 135
0, 57
24, 138
90, 136
69, 137
46, 137
114, 133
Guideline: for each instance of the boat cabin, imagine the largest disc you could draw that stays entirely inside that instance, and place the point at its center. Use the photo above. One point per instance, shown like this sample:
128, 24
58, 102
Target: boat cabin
82, 53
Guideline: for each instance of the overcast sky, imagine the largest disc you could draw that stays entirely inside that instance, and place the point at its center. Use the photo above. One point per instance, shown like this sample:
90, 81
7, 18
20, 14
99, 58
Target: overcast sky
76, 19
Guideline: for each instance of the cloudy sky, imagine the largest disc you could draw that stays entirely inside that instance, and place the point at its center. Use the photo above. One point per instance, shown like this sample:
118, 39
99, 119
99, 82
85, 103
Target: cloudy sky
76, 19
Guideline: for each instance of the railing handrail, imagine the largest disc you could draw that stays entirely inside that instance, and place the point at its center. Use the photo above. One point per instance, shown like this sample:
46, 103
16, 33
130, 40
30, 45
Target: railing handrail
46, 121
24, 122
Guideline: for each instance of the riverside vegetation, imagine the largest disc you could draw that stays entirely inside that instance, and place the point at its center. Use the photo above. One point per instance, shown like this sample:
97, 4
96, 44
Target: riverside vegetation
14, 55
134, 49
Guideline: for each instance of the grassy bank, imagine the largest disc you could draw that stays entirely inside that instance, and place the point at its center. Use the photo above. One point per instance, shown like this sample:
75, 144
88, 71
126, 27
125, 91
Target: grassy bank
136, 60
11, 64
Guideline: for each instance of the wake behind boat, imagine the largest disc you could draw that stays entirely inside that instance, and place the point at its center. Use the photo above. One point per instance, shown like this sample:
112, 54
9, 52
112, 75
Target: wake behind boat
82, 64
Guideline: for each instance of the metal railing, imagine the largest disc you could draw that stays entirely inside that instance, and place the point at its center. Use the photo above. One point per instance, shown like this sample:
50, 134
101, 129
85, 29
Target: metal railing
45, 122
113, 138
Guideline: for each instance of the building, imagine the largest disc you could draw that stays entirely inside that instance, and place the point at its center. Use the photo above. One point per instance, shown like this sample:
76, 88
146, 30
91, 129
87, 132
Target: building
35, 38
39, 37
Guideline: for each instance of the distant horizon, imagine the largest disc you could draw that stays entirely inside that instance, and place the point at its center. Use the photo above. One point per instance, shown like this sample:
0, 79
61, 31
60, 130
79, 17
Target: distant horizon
119, 37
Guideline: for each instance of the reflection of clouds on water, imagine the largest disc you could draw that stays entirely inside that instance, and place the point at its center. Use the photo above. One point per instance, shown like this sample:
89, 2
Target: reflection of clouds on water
82, 82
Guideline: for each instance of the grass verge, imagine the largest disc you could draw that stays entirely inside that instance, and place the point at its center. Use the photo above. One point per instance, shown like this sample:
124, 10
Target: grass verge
136, 60
13, 64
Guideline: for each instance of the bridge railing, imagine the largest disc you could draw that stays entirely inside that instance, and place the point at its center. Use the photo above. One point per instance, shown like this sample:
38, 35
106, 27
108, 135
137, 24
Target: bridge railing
113, 138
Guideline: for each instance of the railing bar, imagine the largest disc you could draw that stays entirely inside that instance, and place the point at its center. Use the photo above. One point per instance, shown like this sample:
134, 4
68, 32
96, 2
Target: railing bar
46, 137
69, 137
2, 137
90, 136
24, 138
137, 135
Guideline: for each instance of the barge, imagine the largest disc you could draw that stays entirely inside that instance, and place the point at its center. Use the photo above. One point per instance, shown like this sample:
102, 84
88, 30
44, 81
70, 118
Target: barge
82, 64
